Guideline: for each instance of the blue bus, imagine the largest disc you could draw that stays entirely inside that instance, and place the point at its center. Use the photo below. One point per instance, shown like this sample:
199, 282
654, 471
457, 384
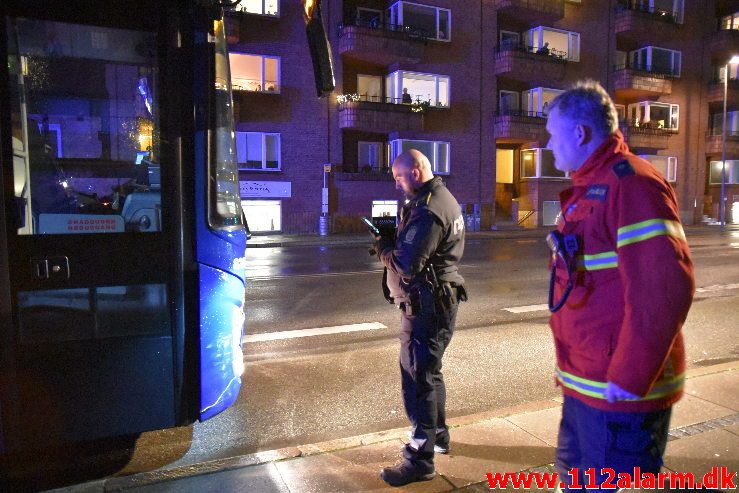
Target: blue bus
121, 231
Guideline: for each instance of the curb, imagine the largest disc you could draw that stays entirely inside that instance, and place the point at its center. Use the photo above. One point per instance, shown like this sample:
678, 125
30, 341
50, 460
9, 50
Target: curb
329, 446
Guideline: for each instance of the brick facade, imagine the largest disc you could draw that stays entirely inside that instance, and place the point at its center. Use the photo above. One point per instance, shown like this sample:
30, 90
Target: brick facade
315, 132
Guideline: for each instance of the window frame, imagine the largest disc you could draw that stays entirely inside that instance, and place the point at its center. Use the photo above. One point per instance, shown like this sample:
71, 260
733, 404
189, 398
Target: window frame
396, 147
671, 171
674, 109
263, 136
380, 154
508, 111
732, 172
635, 62
571, 35
537, 165
243, 8
262, 81
394, 87
396, 18
528, 97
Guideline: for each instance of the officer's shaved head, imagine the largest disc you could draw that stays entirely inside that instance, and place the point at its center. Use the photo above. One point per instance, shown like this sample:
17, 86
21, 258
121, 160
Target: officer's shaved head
411, 169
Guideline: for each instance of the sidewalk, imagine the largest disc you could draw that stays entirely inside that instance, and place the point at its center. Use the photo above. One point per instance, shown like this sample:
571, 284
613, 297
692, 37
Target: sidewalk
282, 240
704, 434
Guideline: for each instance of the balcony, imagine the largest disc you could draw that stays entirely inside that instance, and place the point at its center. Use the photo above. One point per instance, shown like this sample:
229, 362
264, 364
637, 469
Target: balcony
381, 44
521, 127
723, 45
639, 83
716, 93
524, 64
645, 136
636, 25
380, 115
714, 144
530, 10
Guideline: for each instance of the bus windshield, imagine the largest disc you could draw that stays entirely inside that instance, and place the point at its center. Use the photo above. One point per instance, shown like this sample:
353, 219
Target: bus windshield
225, 205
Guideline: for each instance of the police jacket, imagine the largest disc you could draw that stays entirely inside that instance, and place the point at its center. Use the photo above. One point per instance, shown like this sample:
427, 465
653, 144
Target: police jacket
633, 284
431, 231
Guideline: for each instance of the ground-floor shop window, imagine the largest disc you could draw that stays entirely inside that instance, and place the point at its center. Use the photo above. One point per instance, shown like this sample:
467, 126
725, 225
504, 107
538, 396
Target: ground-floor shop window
263, 215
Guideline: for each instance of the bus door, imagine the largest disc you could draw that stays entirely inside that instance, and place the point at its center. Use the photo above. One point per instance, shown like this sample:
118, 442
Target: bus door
89, 325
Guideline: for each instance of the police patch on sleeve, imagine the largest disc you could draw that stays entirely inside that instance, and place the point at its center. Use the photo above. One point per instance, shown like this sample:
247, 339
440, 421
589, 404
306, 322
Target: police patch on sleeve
623, 169
410, 234
597, 192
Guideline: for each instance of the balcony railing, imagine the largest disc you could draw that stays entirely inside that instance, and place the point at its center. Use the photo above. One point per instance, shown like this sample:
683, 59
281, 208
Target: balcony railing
417, 102
254, 85
647, 71
522, 114
550, 53
663, 15
408, 32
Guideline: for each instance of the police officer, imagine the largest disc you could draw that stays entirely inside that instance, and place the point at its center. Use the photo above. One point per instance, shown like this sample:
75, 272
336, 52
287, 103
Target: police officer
422, 278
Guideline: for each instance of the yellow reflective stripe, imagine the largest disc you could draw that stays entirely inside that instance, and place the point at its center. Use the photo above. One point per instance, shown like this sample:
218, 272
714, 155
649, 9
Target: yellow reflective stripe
594, 388
644, 230
598, 261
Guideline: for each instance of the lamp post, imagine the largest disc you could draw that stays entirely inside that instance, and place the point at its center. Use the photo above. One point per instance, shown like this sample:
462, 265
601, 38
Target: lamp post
722, 205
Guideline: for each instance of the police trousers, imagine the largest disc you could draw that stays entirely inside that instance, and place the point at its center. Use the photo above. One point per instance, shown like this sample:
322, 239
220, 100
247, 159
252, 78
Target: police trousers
424, 336
597, 445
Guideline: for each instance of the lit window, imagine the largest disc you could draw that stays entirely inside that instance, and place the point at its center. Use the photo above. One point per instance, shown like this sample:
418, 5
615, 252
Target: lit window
732, 123
667, 165
536, 101
370, 155
437, 152
657, 60
539, 163
384, 208
258, 151
434, 22
732, 172
651, 114
261, 7
255, 73
414, 87
554, 42
730, 21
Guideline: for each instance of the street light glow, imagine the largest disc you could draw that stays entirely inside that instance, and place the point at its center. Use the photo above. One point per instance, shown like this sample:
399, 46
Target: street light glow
722, 205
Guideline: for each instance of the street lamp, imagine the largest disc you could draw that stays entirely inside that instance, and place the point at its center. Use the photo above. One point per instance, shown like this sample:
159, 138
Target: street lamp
722, 206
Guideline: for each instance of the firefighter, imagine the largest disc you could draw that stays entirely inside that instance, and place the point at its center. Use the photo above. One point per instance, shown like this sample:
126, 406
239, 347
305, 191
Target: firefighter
422, 278
622, 285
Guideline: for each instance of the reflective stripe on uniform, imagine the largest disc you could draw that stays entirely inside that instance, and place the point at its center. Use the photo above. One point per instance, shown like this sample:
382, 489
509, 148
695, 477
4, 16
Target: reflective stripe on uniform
598, 261
593, 388
649, 229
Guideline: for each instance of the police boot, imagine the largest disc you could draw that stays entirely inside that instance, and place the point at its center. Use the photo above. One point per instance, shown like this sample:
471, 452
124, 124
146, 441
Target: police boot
411, 469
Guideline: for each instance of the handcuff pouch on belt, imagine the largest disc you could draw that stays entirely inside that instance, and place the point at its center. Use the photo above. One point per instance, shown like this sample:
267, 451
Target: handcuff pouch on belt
429, 291
564, 247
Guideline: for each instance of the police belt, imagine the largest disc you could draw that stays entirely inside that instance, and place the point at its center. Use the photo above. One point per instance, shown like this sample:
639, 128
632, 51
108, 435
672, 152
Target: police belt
448, 295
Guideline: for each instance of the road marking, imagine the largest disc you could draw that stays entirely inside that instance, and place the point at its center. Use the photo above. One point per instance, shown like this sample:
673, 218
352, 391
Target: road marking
294, 334
717, 287
527, 308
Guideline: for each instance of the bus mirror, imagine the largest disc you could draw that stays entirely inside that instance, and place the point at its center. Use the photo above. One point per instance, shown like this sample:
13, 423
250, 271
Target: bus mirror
320, 52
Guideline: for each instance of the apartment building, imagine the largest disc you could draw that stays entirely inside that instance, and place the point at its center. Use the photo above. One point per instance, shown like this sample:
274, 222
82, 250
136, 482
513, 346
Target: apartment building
468, 82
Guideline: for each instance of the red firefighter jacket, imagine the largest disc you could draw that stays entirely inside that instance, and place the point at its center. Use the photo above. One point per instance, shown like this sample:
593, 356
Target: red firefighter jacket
633, 284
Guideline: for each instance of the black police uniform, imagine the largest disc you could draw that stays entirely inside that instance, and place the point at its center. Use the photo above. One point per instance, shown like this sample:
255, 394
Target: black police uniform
431, 233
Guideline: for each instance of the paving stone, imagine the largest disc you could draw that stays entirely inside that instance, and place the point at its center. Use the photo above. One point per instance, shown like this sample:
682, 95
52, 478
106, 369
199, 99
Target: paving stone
492, 446
719, 388
544, 424
356, 469
263, 478
691, 410
699, 453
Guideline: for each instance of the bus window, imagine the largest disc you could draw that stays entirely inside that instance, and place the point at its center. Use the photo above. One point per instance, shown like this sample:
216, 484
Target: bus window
89, 122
